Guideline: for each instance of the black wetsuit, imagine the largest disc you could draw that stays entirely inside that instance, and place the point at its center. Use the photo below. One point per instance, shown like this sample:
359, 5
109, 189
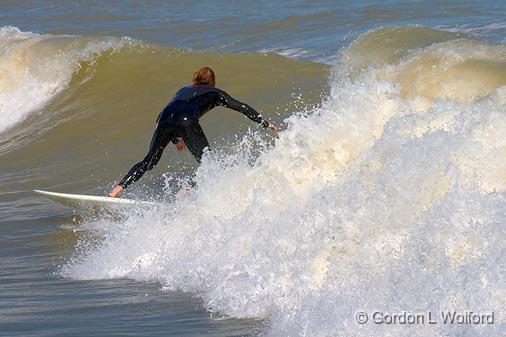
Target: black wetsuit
180, 119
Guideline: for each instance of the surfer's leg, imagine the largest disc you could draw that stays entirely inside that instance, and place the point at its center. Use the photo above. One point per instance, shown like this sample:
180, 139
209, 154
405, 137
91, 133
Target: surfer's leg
160, 139
196, 141
194, 138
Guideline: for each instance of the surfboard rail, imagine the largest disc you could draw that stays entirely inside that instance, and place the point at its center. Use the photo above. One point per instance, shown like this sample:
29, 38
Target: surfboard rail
84, 201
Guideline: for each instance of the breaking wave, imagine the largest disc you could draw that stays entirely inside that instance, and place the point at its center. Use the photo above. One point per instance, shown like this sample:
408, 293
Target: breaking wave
35, 68
389, 196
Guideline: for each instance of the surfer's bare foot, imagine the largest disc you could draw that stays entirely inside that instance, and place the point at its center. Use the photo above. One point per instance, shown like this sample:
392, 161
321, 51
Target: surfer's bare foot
184, 192
115, 191
272, 127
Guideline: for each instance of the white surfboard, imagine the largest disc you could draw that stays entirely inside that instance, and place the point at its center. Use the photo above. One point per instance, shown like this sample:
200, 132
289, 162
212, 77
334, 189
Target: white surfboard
91, 202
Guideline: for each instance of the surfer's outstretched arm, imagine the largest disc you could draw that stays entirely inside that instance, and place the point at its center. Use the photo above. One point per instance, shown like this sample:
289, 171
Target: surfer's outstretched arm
159, 141
231, 103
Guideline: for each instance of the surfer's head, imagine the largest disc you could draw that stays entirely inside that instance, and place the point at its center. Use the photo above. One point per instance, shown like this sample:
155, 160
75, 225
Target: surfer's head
204, 75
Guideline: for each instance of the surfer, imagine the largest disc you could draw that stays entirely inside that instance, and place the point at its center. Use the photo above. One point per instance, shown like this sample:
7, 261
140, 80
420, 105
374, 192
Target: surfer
179, 123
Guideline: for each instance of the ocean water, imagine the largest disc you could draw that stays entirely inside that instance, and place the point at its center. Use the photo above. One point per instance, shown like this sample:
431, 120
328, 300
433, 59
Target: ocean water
384, 191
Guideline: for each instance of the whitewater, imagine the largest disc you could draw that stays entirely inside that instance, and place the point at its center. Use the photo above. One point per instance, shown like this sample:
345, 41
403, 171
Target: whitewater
388, 196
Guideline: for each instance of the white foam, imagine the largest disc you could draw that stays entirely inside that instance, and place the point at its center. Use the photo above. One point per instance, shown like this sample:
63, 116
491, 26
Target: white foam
34, 68
299, 54
368, 203
483, 30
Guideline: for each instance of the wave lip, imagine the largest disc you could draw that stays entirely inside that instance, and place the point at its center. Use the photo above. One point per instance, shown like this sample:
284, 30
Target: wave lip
429, 63
34, 68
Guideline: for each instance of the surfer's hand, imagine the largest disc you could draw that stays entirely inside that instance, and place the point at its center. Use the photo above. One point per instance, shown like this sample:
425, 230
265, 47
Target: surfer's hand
180, 145
272, 127
115, 191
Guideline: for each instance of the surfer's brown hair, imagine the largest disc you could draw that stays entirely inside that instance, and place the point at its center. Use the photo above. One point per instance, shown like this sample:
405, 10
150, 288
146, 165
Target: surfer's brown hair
204, 75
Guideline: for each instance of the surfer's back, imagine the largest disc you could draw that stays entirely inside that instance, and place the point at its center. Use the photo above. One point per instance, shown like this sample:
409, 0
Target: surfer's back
194, 100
